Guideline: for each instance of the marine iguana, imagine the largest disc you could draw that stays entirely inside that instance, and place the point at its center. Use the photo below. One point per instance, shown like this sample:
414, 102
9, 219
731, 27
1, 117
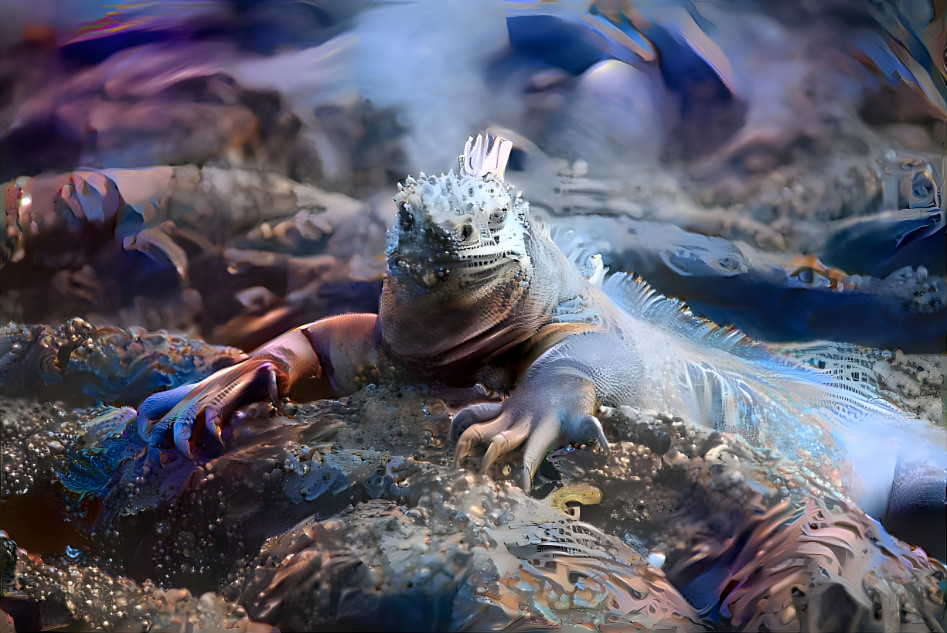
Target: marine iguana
477, 291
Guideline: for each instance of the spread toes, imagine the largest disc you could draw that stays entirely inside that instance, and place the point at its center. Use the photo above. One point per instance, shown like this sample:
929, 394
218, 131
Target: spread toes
519, 423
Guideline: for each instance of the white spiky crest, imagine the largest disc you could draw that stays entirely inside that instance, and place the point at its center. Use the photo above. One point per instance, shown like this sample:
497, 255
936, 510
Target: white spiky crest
485, 155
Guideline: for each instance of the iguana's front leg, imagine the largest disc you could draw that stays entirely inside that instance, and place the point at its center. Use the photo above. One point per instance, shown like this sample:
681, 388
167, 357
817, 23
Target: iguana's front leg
323, 359
553, 405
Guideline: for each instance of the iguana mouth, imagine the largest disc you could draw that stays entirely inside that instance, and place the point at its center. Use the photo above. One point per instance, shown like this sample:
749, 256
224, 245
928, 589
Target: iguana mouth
429, 254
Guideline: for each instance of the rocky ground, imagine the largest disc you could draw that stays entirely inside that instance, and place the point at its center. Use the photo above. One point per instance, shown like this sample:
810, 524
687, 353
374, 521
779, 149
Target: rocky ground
351, 513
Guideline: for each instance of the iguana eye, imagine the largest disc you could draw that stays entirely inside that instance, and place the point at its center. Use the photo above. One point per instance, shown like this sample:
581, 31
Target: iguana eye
405, 217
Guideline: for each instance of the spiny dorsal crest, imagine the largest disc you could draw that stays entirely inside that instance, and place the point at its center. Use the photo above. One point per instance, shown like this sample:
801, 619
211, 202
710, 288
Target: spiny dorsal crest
485, 155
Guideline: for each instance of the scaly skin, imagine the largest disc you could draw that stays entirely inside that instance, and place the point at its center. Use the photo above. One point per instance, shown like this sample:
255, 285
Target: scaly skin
477, 291
473, 274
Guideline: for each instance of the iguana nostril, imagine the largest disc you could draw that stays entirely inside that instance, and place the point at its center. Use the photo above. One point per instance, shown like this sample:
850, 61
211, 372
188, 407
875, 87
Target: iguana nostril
465, 232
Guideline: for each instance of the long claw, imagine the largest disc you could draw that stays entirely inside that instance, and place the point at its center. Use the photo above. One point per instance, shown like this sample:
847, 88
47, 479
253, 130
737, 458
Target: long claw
144, 426
489, 458
505, 442
182, 437
271, 385
156, 405
212, 423
480, 412
603, 443
474, 436
591, 428
542, 437
468, 440
526, 478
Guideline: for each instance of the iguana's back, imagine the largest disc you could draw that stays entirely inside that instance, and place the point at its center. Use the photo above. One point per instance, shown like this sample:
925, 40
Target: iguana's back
655, 354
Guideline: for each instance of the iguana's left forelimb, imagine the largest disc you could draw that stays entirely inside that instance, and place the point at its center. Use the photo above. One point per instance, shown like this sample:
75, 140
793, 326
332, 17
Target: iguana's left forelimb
553, 405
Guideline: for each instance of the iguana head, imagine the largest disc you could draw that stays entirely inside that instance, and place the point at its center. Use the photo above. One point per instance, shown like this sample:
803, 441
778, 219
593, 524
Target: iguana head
461, 230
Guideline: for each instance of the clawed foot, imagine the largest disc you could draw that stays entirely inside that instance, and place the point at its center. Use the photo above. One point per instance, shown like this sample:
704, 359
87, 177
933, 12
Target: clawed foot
535, 417
177, 412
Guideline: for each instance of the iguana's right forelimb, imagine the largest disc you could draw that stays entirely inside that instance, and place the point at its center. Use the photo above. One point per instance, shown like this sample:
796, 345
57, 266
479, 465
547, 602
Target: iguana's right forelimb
324, 359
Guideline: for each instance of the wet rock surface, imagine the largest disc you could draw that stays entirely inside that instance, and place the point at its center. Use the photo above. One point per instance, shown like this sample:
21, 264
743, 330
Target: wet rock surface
79, 363
57, 594
467, 554
241, 255
341, 515
752, 539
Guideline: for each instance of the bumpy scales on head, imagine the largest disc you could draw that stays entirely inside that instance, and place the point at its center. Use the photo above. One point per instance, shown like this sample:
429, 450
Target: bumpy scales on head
467, 226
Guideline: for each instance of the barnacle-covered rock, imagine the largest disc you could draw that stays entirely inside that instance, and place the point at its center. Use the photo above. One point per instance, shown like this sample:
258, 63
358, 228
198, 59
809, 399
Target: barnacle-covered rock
753, 539
80, 363
306, 525
59, 593
470, 554
32, 435
194, 520
240, 254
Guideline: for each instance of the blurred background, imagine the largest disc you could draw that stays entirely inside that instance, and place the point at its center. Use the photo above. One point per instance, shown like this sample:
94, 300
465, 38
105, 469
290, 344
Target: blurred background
183, 175
224, 168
